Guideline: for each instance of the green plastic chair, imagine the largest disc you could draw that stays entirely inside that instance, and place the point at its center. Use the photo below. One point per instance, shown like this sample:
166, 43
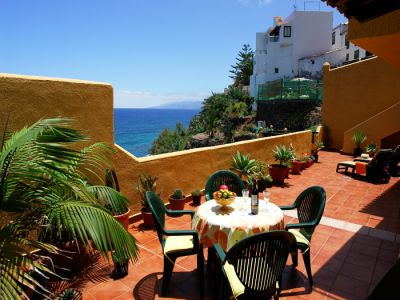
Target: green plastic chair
310, 206
234, 183
175, 243
253, 267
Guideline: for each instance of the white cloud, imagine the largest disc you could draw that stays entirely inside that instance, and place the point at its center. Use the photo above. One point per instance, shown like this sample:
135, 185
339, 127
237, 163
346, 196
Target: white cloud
141, 99
252, 2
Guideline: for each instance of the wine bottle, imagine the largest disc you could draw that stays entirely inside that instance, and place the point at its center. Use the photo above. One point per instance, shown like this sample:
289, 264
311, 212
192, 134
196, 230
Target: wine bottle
254, 199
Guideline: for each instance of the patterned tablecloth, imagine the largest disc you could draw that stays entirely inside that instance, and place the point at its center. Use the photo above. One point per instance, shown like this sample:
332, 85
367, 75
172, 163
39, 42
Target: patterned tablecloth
227, 227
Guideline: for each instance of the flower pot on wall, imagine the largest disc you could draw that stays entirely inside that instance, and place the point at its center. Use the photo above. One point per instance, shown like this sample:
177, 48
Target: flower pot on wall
278, 173
196, 200
123, 218
176, 204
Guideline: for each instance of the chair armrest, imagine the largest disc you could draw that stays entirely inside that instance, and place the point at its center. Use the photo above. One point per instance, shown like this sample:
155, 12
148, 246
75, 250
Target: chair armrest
220, 253
184, 232
180, 212
287, 207
300, 225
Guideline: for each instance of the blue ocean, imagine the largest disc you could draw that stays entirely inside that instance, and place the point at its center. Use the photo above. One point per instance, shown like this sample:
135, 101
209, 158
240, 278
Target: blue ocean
135, 129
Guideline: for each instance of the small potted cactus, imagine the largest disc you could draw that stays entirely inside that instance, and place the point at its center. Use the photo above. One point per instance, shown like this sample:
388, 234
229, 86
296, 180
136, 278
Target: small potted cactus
196, 196
177, 200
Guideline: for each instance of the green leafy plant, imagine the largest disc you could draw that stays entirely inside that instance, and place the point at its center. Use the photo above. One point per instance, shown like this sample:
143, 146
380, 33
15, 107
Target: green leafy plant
145, 183
319, 145
243, 165
283, 155
52, 191
371, 148
115, 207
359, 138
177, 194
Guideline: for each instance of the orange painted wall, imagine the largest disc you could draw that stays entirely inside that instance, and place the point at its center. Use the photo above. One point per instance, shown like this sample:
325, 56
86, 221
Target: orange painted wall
28, 99
380, 36
355, 93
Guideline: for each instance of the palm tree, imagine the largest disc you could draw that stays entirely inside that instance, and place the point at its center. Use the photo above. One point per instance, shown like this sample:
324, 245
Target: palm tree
49, 191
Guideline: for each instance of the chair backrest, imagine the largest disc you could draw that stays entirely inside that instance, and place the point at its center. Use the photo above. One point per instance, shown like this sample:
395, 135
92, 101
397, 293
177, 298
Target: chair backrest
260, 259
395, 159
381, 158
310, 206
230, 179
158, 210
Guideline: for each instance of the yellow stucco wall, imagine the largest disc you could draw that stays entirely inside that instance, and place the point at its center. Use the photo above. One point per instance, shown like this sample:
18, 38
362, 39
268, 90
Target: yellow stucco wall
28, 98
355, 93
380, 36
190, 169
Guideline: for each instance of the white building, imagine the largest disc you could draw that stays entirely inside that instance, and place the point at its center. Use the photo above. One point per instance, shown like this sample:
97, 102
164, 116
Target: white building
298, 46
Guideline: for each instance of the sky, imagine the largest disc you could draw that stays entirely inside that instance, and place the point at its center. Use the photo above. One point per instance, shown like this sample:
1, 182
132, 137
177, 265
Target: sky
151, 51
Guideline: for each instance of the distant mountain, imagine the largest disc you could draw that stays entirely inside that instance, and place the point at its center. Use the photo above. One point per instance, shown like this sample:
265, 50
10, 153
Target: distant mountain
180, 105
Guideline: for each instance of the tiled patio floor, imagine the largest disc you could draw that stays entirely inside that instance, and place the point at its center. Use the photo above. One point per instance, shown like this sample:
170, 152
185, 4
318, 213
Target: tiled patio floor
348, 258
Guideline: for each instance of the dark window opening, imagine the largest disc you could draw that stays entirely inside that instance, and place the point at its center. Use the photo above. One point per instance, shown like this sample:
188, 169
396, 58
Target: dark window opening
346, 42
347, 57
368, 54
287, 31
357, 54
276, 70
333, 37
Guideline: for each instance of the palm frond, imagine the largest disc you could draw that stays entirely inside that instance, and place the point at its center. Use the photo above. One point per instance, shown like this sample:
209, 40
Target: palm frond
88, 222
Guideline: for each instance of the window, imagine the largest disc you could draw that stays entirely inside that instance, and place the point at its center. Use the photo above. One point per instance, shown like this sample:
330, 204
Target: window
276, 70
368, 54
347, 57
333, 37
287, 31
346, 42
356, 54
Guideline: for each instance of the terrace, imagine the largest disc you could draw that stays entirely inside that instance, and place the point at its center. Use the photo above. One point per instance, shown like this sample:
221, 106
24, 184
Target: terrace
356, 243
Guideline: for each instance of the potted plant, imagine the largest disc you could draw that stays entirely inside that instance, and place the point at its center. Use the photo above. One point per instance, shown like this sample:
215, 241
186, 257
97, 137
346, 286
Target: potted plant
317, 146
53, 200
260, 172
70, 294
371, 149
359, 138
243, 165
119, 209
177, 200
279, 171
196, 196
120, 266
296, 163
146, 183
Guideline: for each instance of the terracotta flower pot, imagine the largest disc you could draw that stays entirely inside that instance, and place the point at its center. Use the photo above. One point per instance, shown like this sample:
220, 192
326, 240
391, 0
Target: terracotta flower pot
296, 166
176, 204
278, 173
148, 219
123, 218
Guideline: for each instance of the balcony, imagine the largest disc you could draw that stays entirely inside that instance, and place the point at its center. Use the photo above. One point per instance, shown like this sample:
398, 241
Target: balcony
356, 243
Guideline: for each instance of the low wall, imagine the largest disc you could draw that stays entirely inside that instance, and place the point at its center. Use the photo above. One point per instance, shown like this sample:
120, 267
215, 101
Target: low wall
190, 169
25, 99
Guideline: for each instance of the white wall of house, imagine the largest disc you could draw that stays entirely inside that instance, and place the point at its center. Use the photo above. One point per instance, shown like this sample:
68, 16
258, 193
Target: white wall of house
304, 52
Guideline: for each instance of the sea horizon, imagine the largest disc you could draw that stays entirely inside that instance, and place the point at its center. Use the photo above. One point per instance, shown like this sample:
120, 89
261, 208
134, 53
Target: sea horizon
137, 128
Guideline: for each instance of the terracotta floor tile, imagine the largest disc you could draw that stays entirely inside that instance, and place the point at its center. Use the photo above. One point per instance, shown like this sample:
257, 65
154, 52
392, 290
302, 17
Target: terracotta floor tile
356, 272
351, 286
108, 290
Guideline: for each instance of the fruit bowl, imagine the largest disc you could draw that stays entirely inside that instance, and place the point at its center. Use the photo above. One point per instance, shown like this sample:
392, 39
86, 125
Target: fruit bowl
224, 200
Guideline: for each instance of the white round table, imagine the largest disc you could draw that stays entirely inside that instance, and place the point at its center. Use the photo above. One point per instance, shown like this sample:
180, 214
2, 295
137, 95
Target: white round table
235, 222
